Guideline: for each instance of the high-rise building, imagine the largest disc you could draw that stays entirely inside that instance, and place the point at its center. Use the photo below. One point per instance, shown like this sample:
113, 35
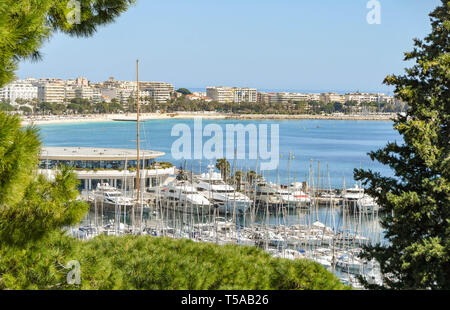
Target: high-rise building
159, 92
245, 95
52, 92
220, 94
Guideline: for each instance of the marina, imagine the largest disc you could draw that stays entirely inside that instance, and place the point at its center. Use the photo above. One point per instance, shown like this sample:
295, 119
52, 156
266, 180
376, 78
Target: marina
292, 221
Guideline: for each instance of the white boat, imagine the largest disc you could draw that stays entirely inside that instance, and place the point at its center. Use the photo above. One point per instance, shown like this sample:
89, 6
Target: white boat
110, 196
296, 190
359, 200
220, 194
183, 196
268, 193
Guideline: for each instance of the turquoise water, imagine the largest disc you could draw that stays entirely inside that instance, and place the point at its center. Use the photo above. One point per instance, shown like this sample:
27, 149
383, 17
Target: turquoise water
340, 145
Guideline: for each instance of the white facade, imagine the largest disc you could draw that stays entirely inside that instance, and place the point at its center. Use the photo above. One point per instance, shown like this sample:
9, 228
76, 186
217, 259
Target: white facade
18, 90
160, 92
367, 97
284, 98
327, 98
220, 94
94, 166
245, 95
224, 94
52, 92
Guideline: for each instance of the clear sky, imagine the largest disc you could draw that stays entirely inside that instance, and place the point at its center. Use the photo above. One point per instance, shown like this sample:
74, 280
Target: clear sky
306, 45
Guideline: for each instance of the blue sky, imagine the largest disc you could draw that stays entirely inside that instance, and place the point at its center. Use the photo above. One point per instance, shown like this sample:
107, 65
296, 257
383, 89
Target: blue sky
279, 45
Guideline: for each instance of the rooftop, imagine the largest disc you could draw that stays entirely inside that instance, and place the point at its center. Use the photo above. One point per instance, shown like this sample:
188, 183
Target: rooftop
97, 153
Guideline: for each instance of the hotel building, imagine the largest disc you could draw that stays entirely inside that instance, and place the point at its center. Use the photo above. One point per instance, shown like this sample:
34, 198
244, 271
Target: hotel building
18, 90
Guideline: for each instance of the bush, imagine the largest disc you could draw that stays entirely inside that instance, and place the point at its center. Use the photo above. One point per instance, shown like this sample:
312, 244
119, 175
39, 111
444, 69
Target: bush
143, 262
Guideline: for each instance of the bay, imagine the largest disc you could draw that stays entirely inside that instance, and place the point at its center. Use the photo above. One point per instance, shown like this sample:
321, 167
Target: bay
339, 145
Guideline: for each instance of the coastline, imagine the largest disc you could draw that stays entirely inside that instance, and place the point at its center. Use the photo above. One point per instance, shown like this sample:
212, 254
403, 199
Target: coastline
47, 120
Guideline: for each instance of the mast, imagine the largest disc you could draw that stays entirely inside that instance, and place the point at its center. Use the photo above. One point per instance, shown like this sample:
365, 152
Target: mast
138, 144
138, 183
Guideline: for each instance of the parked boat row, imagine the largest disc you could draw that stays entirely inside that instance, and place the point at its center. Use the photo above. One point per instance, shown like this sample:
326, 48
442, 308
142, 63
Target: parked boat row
208, 190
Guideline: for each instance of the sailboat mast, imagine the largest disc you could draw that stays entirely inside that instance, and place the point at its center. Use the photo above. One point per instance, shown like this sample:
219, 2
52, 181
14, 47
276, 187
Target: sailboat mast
138, 144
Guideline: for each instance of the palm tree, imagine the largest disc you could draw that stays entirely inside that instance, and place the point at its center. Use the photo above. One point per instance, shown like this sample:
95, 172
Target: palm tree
251, 177
224, 167
237, 179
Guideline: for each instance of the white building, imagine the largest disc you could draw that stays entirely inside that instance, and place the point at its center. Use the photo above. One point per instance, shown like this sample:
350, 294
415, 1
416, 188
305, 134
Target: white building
327, 98
117, 167
245, 95
159, 92
18, 90
220, 94
224, 94
284, 97
52, 92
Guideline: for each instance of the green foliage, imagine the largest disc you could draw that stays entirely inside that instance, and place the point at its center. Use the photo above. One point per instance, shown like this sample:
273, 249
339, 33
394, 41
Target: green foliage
6, 107
26, 24
224, 167
156, 263
19, 148
30, 205
46, 206
25, 109
237, 179
416, 201
184, 91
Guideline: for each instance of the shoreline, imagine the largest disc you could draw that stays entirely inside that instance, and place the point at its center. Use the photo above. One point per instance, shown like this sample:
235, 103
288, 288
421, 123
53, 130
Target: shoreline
47, 120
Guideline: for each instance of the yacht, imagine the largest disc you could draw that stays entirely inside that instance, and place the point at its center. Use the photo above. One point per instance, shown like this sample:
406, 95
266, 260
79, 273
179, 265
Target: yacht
220, 194
111, 196
268, 193
183, 196
296, 190
359, 200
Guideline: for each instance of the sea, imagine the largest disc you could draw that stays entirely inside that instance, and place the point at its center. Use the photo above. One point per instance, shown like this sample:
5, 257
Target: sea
324, 151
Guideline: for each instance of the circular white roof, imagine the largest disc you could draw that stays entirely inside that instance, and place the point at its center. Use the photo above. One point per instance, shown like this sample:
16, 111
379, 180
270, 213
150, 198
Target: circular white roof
97, 153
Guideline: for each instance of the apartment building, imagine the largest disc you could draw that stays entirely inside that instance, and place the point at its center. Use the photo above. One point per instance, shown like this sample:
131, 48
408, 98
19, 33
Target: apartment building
385, 98
284, 98
220, 94
361, 97
368, 97
70, 93
327, 98
224, 94
18, 90
245, 95
314, 97
160, 92
51, 91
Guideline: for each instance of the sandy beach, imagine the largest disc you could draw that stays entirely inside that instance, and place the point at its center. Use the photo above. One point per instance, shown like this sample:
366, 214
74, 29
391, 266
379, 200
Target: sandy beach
44, 120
